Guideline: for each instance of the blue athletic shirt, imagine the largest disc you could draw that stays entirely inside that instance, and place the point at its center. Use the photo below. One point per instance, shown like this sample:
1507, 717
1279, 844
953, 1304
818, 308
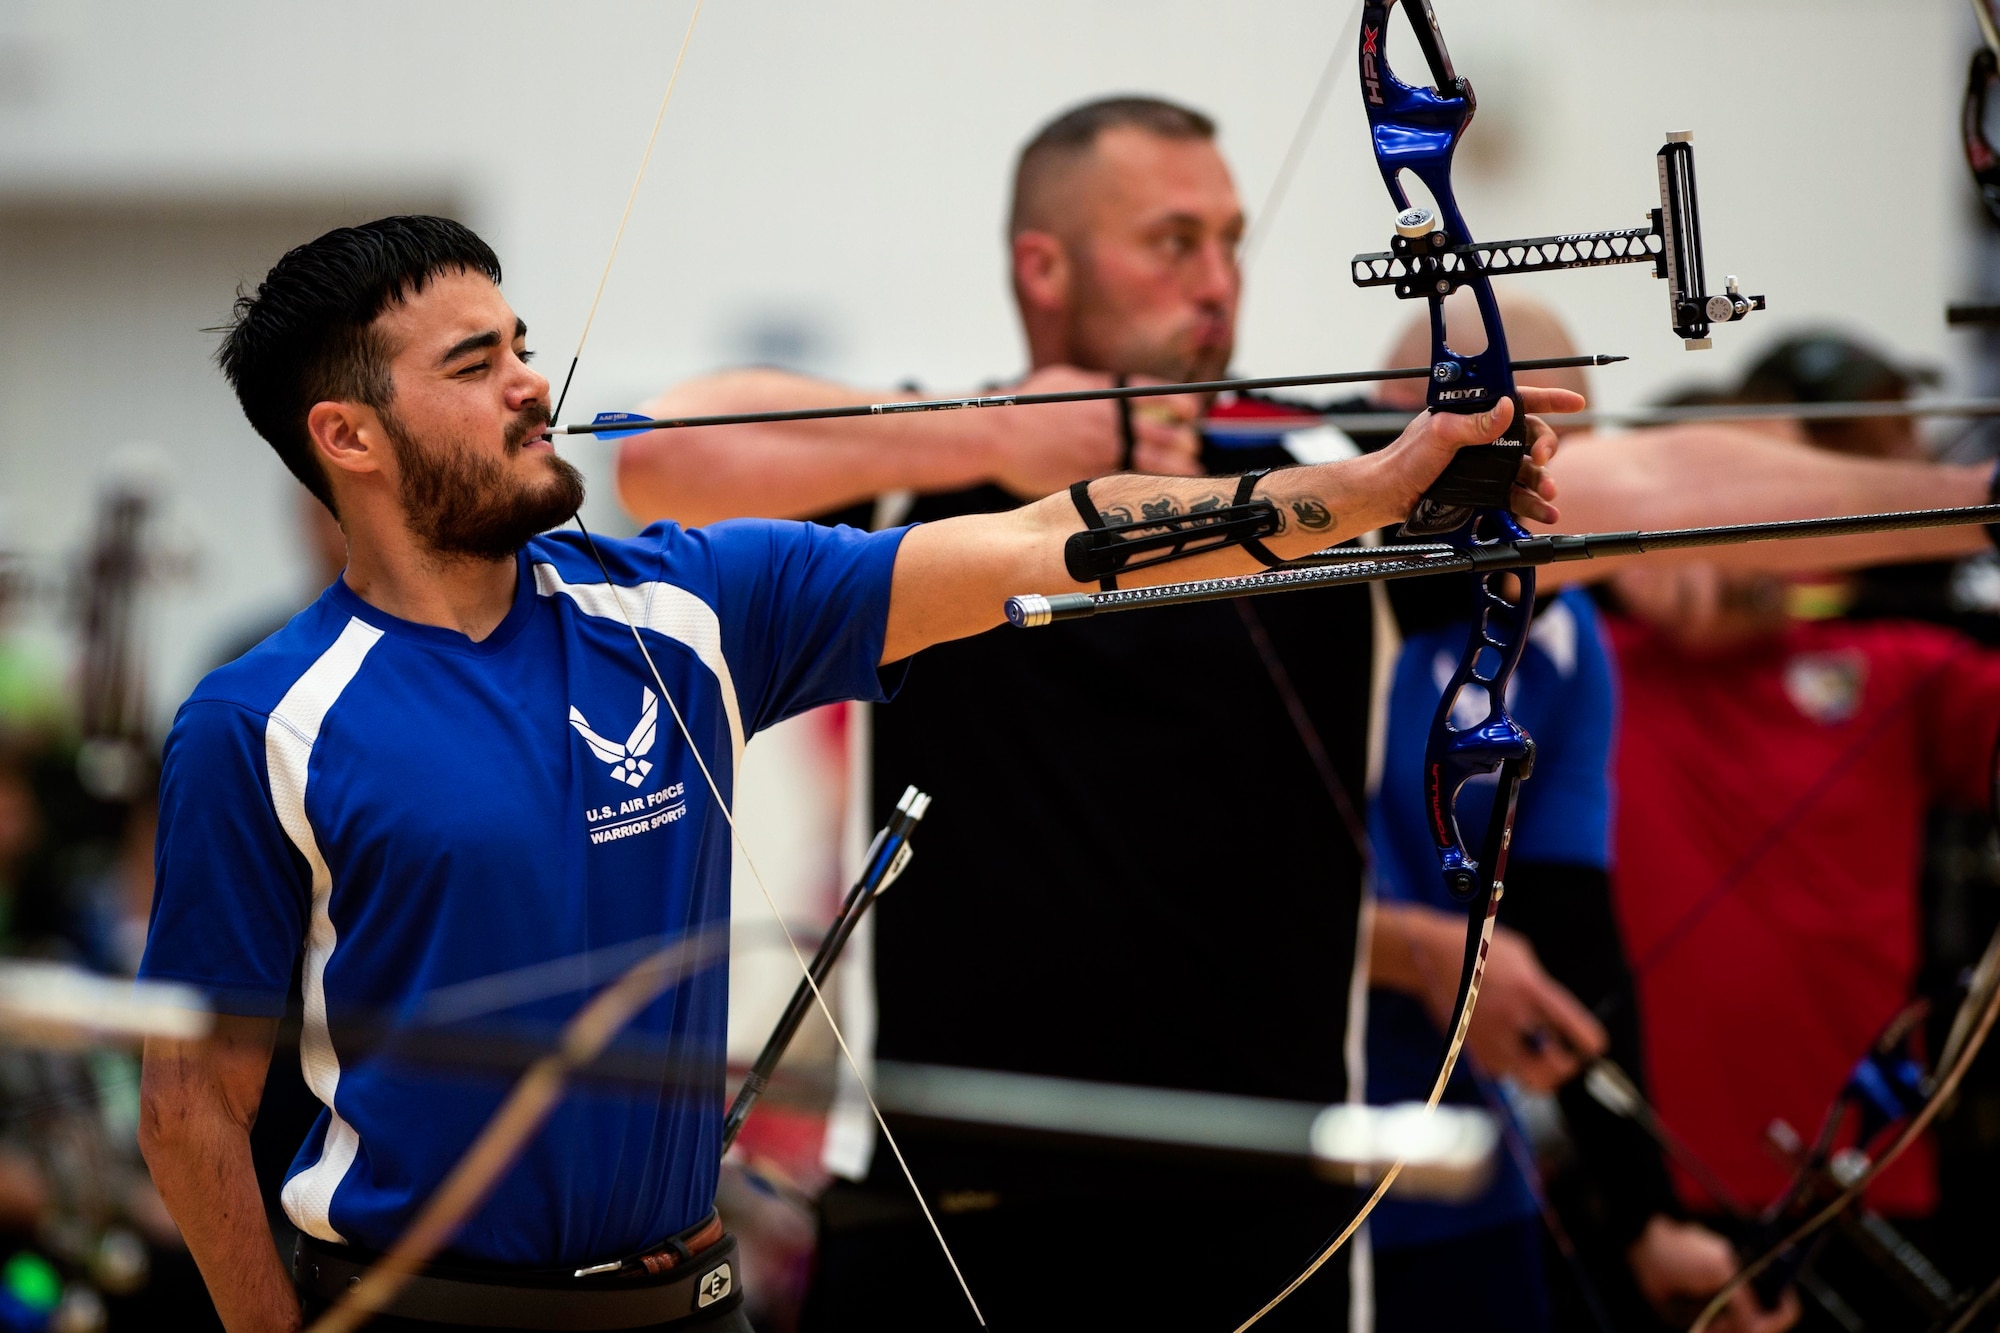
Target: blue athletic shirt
470, 839
1563, 693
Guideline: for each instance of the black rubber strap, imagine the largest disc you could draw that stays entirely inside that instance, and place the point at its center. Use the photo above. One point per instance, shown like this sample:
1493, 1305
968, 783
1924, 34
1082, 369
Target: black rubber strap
1079, 495
481, 1297
1128, 440
1245, 484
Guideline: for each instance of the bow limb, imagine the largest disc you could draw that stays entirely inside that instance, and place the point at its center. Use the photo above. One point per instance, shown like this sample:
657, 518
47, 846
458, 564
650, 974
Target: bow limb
1986, 1008
1478, 945
1416, 131
504, 1135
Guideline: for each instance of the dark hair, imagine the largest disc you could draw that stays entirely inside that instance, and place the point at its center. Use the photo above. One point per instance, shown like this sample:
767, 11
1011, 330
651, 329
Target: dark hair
1075, 132
306, 336
1826, 366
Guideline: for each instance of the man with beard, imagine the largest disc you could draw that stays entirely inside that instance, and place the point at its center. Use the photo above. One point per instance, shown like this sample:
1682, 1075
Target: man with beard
1145, 861
416, 783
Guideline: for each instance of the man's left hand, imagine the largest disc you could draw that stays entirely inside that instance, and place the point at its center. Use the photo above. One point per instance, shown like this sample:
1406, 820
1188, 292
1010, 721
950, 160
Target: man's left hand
1426, 447
1679, 1266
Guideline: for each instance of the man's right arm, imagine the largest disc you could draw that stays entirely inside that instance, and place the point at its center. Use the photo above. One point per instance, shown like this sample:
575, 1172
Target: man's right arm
1689, 476
799, 468
198, 1100
229, 911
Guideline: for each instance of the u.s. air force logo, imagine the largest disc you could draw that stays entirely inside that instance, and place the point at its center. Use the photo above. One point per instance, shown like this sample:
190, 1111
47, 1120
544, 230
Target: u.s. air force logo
614, 820
627, 761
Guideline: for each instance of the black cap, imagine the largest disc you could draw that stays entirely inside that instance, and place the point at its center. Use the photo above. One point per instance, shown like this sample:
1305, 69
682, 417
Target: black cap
1829, 368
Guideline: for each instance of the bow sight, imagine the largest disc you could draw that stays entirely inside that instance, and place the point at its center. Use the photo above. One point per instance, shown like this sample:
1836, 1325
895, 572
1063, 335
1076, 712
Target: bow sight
1423, 261
1416, 132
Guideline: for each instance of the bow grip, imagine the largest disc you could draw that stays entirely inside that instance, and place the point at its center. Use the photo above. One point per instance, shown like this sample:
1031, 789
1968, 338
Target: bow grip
1479, 477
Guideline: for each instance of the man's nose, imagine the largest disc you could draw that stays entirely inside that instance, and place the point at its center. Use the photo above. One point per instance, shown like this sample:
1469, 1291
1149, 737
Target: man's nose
527, 386
1216, 276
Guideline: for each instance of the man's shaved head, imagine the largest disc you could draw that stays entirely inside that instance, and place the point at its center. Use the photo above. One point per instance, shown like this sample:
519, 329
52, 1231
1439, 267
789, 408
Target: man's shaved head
1123, 238
1045, 176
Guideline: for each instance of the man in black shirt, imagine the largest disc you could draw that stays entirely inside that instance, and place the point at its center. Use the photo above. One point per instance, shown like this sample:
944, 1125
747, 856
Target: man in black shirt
1144, 863
1137, 870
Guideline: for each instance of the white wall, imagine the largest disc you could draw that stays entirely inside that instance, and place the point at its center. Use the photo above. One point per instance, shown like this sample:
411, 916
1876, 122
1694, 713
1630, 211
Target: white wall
841, 168
834, 174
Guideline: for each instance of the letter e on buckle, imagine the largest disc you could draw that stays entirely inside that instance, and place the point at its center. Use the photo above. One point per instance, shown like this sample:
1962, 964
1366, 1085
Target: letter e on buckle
714, 1287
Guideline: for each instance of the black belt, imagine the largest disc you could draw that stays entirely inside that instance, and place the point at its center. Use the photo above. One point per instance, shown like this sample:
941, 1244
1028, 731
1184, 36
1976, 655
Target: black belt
446, 1293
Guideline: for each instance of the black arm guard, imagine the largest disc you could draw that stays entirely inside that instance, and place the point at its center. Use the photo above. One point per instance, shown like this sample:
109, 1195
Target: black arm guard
1102, 551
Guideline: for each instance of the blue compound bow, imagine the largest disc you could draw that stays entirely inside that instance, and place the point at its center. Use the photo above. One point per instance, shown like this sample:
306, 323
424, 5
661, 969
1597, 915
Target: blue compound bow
1416, 130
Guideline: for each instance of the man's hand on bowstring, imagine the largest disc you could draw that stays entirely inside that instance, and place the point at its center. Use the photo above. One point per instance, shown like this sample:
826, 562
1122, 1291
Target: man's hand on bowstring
1678, 1266
1041, 450
1421, 453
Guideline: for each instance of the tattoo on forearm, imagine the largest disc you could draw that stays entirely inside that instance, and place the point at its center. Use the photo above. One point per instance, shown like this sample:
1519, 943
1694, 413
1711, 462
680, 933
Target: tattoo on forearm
1313, 516
1115, 514
1164, 507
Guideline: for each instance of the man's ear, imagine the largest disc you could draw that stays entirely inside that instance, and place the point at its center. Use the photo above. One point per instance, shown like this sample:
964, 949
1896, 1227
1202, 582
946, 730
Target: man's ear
347, 437
1043, 274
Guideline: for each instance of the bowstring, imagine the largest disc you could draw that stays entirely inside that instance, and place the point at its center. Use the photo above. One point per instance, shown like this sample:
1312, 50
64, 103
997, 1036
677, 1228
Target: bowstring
673, 707
1260, 228
715, 790
1302, 137
631, 197
805, 968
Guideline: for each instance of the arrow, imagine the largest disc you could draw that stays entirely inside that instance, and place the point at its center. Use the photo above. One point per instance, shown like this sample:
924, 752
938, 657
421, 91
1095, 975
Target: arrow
625, 423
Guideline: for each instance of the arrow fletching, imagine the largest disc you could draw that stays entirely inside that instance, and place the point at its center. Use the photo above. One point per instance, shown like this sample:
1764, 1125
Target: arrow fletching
609, 423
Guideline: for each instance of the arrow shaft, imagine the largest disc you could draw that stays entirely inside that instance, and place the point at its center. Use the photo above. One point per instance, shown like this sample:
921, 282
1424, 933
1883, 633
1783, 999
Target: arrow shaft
846, 410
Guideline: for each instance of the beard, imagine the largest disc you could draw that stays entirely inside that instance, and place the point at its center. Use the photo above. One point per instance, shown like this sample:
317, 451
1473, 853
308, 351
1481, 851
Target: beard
1207, 362
463, 505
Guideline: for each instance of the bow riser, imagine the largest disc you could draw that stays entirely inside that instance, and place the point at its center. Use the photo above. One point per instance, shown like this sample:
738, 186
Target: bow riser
1417, 130
1453, 756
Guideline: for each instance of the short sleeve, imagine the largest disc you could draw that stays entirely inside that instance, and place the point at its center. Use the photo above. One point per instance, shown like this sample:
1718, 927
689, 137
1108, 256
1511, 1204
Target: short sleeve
230, 894
804, 611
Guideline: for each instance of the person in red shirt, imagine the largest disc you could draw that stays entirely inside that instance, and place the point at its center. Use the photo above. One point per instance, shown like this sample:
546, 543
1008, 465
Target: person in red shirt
1773, 778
